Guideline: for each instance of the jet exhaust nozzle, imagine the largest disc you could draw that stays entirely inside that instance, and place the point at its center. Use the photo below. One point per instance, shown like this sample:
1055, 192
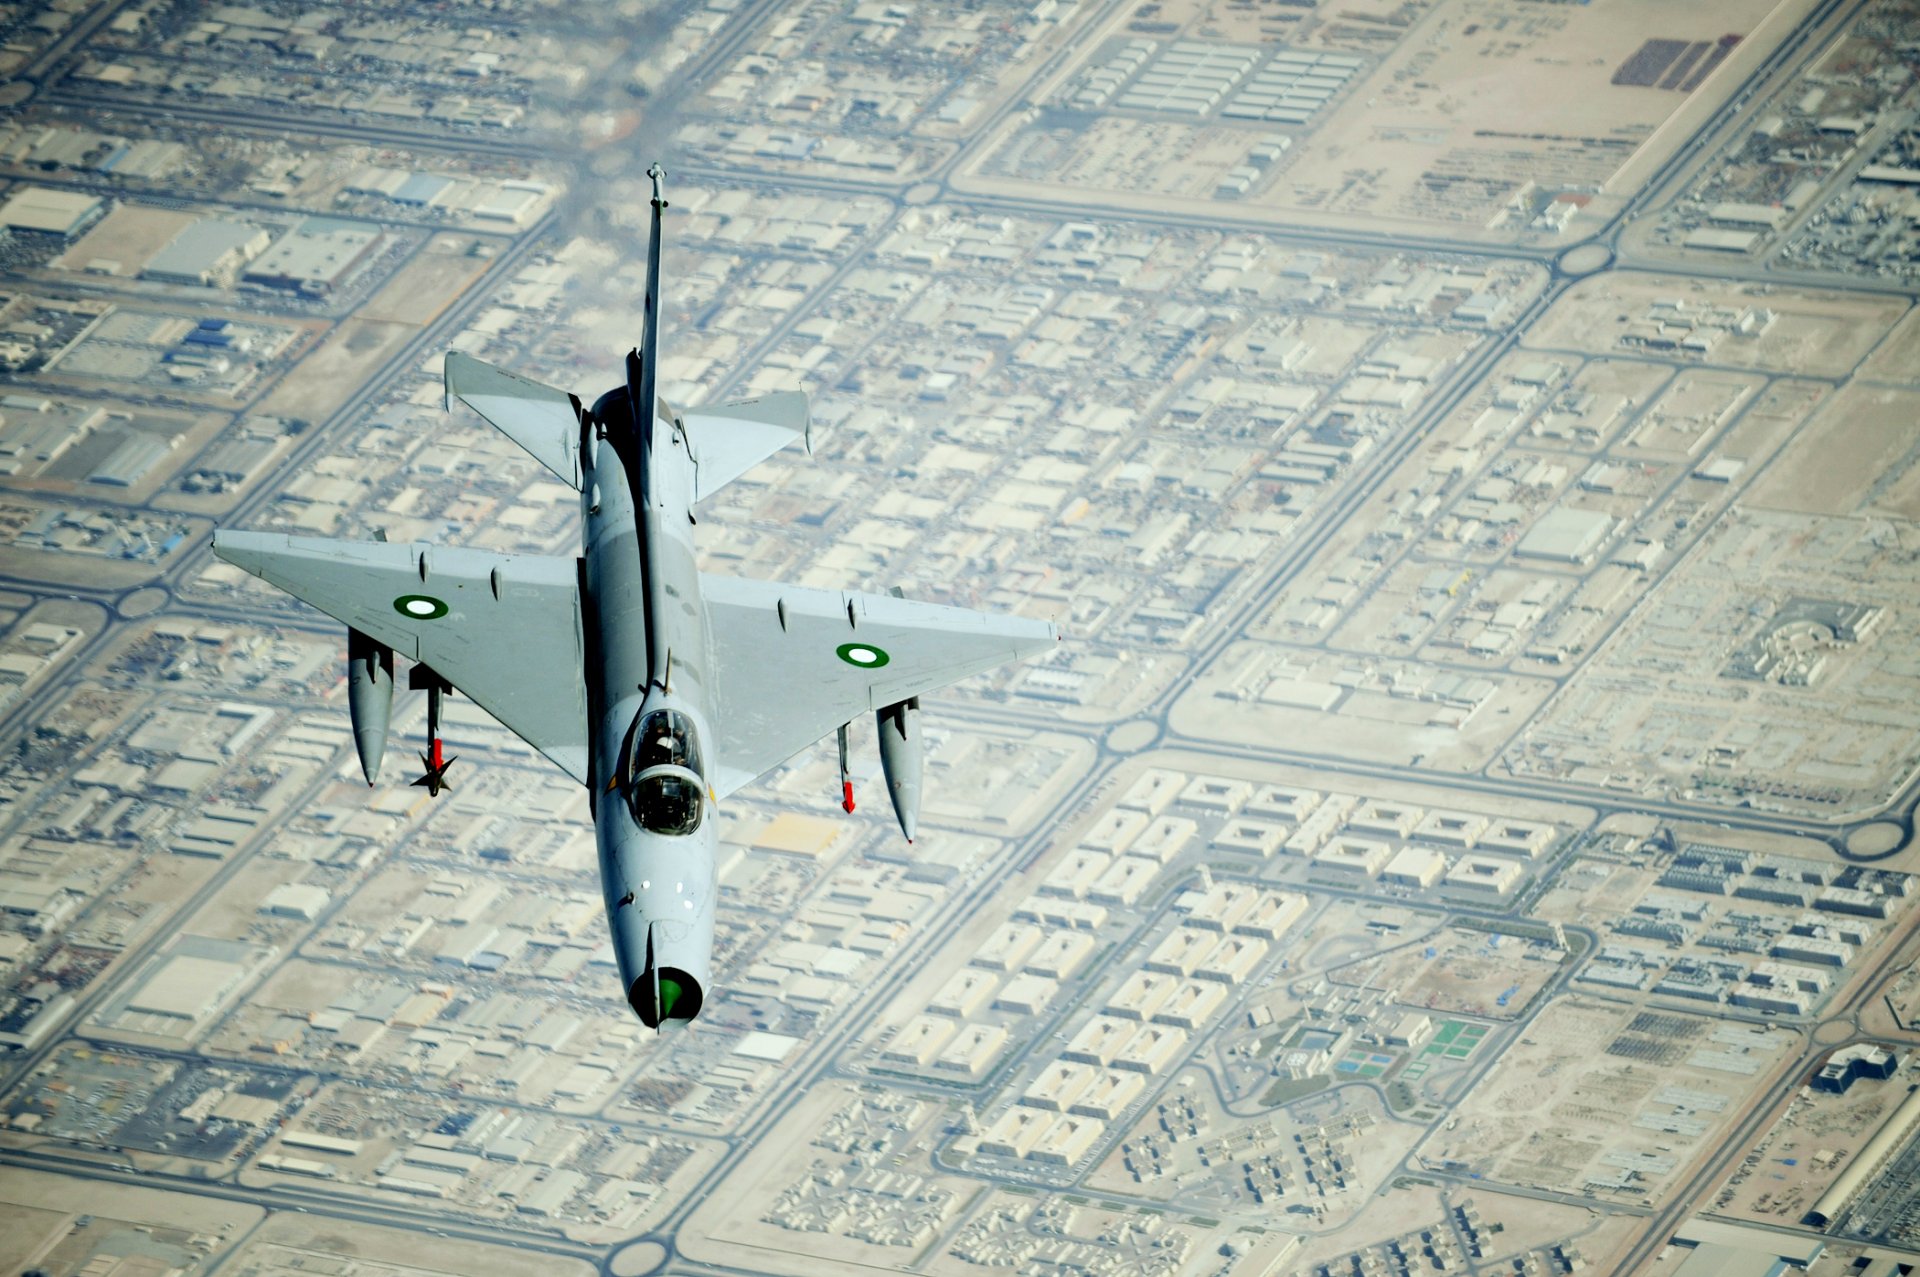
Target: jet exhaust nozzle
665, 993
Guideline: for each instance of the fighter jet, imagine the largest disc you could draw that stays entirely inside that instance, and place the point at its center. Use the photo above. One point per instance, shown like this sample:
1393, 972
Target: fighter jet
661, 688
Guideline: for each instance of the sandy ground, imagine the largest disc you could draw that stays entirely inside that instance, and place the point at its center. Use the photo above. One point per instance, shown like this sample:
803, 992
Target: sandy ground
342, 363
426, 285
1815, 334
1855, 455
1475, 104
39, 1212
129, 237
306, 1241
1897, 358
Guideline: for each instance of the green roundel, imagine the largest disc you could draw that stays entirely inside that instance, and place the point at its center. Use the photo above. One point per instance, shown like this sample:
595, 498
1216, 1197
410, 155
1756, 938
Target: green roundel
862, 655
419, 607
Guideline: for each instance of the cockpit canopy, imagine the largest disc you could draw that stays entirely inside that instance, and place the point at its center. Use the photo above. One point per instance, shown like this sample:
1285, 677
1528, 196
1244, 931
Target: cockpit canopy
664, 738
664, 785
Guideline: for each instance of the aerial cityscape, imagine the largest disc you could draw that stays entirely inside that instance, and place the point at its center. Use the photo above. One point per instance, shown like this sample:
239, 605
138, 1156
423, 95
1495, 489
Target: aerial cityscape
1467, 448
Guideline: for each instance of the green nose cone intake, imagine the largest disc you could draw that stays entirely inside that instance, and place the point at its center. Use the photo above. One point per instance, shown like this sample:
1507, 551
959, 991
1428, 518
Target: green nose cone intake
662, 994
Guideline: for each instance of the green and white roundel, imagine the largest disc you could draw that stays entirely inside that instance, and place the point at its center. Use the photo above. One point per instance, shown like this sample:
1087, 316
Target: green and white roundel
862, 655
420, 607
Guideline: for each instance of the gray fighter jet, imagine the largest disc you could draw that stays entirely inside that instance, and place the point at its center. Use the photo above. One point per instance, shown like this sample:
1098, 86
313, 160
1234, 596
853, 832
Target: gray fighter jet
659, 687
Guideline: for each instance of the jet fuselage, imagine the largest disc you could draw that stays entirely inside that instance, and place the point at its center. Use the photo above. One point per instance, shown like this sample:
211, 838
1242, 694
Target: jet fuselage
646, 635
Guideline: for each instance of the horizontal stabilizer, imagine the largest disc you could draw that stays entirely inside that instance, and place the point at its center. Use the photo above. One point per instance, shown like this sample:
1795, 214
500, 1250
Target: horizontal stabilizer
727, 440
544, 421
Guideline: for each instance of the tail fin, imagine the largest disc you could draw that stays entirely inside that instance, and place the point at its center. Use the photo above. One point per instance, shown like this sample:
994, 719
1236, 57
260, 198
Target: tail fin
728, 440
544, 421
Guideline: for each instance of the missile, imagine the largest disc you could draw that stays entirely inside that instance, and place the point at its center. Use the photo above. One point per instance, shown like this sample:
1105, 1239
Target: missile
900, 759
369, 698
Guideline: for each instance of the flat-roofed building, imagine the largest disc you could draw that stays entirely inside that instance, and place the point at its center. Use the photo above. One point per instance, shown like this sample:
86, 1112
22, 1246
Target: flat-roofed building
1849, 1064
1192, 1004
1026, 994
972, 1050
1015, 1132
1410, 1030
1385, 819
1109, 1094
185, 989
1152, 1050
517, 203
315, 258
1100, 1040
1223, 906
1414, 866
1251, 837
1124, 881
965, 992
319, 1143
1141, 994
919, 1040
1364, 857
303, 900
1732, 213
1233, 960
1789, 975
40, 908
1485, 875
1461, 829
1075, 915
1851, 900
1058, 1085
1182, 950
1217, 793
1075, 873
1154, 791
1068, 1140
1812, 949
1114, 832
1060, 954
1283, 802
1766, 997
1566, 534
47, 211
1164, 839
1272, 915
1009, 946
1527, 838
209, 253
1322, 823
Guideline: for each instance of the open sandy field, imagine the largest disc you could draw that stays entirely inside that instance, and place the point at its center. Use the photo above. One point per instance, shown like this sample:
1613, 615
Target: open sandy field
124, 241
1596, 1091
1466, 117
40, 1224
1858, 453
1815, 334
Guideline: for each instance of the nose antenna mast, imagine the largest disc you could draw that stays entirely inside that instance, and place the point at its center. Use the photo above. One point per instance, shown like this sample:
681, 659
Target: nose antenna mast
643, 365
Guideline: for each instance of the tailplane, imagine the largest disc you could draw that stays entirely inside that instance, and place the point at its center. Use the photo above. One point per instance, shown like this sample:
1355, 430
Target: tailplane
544, 421
728, 440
